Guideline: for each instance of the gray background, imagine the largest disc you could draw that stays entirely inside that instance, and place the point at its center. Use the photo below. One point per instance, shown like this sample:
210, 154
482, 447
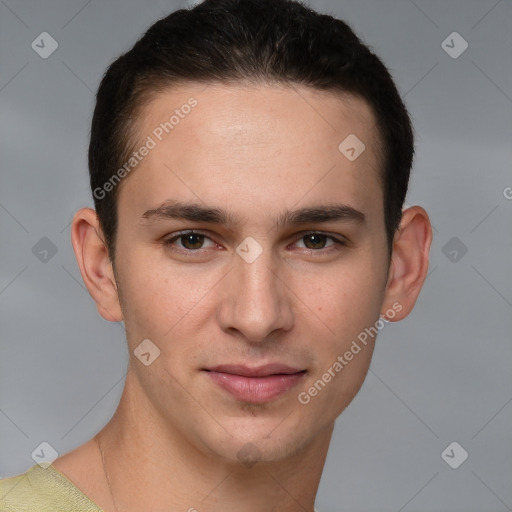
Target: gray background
441, 375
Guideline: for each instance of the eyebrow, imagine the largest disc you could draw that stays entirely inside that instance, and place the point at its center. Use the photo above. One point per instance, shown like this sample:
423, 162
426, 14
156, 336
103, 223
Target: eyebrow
308, 215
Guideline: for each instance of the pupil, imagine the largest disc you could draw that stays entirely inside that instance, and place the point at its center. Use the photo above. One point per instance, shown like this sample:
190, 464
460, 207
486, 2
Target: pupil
317, 241
192, 241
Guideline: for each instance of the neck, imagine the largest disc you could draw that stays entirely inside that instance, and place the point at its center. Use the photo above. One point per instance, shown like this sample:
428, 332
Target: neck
167, 471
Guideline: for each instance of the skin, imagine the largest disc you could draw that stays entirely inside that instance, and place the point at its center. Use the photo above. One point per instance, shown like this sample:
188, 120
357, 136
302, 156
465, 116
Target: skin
256, 151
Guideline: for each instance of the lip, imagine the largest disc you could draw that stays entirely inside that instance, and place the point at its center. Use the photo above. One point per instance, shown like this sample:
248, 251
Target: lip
256, 384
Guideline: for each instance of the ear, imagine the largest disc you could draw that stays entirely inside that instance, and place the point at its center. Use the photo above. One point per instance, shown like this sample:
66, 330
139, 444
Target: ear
94, 263
409, 263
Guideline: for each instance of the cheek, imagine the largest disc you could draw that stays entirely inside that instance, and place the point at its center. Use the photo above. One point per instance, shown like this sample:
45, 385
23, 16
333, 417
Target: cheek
345, 307
329, 391
348, 304
343, 302
158, 297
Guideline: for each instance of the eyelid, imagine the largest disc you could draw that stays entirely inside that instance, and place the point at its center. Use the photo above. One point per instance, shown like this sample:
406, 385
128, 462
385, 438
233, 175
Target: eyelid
177, 234
339, 241
334, 236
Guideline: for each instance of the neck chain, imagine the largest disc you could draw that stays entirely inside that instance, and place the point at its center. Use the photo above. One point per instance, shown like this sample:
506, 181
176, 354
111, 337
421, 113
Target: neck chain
106, 473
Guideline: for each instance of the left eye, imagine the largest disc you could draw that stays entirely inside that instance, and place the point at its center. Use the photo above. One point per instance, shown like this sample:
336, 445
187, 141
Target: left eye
318, 241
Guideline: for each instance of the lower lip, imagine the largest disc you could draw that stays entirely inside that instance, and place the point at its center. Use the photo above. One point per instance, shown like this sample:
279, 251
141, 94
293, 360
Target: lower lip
256, 390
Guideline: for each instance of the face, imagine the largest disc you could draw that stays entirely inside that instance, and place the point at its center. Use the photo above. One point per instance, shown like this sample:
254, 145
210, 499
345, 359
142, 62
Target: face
252, 252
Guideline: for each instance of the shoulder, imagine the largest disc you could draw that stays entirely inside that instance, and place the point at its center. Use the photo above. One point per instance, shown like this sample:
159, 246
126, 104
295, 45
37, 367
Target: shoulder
7, 486
42, 489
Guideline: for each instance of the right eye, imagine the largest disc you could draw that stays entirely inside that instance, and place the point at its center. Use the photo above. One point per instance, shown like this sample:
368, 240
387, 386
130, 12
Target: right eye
188, 241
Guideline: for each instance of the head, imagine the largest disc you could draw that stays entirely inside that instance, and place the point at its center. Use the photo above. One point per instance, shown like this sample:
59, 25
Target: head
233, 119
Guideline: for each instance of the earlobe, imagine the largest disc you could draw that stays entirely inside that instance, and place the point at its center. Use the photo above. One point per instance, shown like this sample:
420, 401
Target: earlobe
94, 263
409, 262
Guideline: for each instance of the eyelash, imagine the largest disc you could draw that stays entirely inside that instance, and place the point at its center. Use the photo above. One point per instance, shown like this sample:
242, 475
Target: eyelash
338, 243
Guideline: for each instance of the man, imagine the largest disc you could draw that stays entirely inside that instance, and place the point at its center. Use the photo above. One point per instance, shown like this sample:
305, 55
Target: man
249, 161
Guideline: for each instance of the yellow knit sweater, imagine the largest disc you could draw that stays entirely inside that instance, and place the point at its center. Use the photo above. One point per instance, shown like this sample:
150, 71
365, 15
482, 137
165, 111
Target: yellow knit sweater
43, 490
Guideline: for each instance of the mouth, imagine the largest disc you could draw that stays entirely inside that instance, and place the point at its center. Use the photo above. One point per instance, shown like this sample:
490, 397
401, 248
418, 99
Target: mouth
255, 385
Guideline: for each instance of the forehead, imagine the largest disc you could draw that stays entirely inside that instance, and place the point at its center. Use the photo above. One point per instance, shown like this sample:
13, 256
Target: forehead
244, 113
269, 145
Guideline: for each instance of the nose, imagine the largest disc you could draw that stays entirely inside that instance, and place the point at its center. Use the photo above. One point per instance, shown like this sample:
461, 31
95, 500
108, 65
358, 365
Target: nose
256, 302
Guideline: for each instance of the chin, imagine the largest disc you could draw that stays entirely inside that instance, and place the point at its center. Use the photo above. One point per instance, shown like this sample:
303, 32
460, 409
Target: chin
268, 442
